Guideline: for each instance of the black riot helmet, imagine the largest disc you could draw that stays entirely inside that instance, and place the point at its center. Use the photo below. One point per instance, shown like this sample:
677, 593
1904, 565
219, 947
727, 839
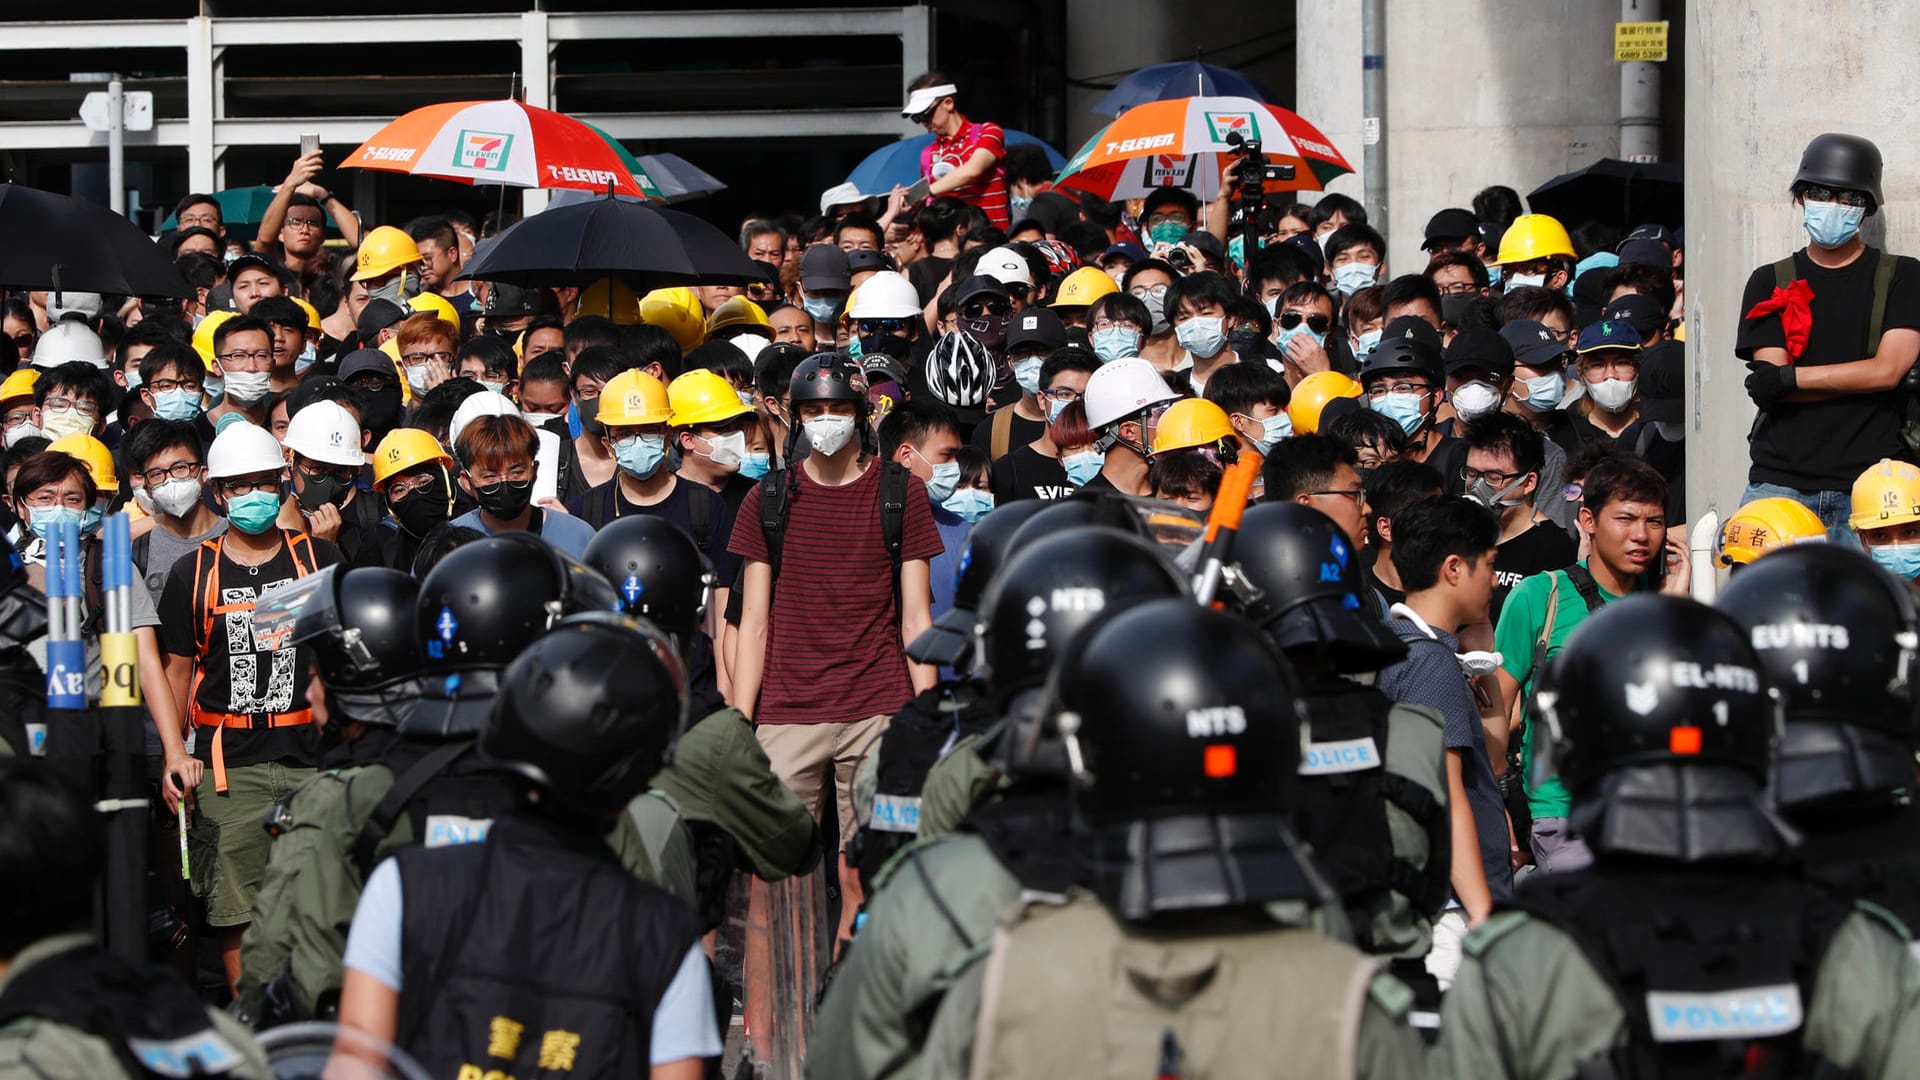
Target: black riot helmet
1182, 727
1842, 162
1298, 578
359, 622
1089, 508
657, 569
479, 607
949, 641
1838, 637
589, 712
23, 608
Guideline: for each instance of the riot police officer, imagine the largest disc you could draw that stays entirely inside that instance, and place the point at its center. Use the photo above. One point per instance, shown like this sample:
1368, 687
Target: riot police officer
23, 691
1181, 728
939, 898
1692, 946
534, 951
1840, 639
1372, 796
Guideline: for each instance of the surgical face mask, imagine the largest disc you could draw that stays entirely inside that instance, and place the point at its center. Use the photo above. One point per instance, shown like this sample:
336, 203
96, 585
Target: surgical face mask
1287, 335
133, 380
254, 512
968, 504
215, 387
496, 387
829, 434
1026, 372
540, 419
747, 399
1201, 336
1054, 408
143, 500
822, 308
1083, 466
61, 423
400, 290
1831, 225
1613, 395
175, 497
1018, 205
944, 481
1475, 399
727, 451
416, 377
1495, 499
300, 363
1900, 560
247, 387
44, 519
1350, 278
1527, 281
1493, 275
90, 520
1168, 232
1273, 429
1544, 391
24, 431
640, 456
1364, 345
1402, 409
756, 464
1115, 342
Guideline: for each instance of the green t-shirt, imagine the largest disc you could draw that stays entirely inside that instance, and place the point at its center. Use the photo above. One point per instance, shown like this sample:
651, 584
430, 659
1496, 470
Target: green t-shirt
1521, 619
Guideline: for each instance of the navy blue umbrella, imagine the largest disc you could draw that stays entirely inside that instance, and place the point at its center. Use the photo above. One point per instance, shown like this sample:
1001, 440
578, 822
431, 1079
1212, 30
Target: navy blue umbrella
897, 164
1185, 78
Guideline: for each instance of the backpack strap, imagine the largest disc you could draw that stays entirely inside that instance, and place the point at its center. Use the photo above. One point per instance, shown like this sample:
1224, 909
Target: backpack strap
1002, 434
142, 550
1785, 273
893, 517
700, 516
1882, 284
1588, 588
409, 784
774, 491
593, 509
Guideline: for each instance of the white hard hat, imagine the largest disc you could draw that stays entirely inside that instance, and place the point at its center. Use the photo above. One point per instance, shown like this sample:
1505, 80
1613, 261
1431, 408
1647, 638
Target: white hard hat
1121, 388
839, 195
484, 403
886, 295
85, 303
325, 431
1004, 265
749, 343
242, 450
68, 342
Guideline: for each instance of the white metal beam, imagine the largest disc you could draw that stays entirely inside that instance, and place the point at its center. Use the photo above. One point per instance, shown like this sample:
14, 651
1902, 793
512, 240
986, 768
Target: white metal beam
201, 93
802, 22
536, 75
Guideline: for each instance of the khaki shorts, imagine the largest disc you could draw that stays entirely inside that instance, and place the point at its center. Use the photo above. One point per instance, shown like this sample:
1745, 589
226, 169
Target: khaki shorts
802, 753
233, 841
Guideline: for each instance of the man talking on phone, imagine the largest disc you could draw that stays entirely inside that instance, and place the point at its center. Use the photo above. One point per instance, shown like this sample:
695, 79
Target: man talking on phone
1623, 516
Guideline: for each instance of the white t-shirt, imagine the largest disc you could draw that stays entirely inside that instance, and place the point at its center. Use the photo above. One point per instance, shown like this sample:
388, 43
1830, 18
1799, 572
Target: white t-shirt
683, 1022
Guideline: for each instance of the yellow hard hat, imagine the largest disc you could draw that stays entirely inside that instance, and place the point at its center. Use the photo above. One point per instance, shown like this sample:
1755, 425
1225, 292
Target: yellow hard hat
436, 304
737, 311
403, 449
1310, 398
1888, 493
19, 384
688, 328
681, 295
383, 251
633, 398
93, 454
203, 335
313, 313
1764, 525
702, 397
391, 347
1191, 422
611, 298
1083, 287
1534, 236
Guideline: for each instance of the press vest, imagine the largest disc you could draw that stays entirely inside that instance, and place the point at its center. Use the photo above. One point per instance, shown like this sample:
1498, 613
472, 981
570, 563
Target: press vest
1070, 991
533, 953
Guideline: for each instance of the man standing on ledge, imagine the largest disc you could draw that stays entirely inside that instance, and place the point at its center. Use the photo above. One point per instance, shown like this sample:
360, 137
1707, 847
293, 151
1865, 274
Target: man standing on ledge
964, 159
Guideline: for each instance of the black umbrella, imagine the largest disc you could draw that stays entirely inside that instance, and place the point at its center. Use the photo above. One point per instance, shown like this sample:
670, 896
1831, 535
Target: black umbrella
49, 241
1614, 192
646, 246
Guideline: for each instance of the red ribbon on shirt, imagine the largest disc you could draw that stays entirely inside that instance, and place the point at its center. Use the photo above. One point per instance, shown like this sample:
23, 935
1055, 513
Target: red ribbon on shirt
1794, 305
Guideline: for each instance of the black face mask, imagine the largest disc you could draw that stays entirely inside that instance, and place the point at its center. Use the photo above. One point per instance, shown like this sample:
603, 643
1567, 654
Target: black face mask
319, 491
505, 500
890, 344
1080, 338
1453, 308
383, 409
589, 417
1247, 343
991, 330
419, 513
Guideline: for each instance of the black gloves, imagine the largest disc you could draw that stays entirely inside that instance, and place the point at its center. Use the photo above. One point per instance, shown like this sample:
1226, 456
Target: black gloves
1769, 384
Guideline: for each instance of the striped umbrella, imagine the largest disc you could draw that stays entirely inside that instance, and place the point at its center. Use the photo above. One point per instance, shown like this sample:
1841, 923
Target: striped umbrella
1182, 143
503, 142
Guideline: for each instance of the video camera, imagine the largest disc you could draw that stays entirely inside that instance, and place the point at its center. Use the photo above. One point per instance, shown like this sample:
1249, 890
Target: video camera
1250, 174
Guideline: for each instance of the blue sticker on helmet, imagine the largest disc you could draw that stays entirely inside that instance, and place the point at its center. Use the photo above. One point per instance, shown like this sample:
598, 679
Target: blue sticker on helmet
446, 624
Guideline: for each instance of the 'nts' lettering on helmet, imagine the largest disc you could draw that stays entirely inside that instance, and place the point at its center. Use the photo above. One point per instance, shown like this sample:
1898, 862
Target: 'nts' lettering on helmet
1714, 677
1799, 636
1216, 721
1079, 598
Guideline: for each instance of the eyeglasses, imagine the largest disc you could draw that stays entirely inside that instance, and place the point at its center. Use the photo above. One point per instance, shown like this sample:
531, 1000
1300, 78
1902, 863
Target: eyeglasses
881, 326
17, 417
319, 471
162, 386
248, 487
442, 355
1315, 321
1061, 393
1816, 193
72, 500
1167, 218
980, 309
1356, 494
398, 489
179, 470
518, 475
83, 407
1626, 367
255, 357
1497, 479
304, 223
1380, 390
1564, 337
197, 221
1104, 323
1456, 288
371, 380
1156, 293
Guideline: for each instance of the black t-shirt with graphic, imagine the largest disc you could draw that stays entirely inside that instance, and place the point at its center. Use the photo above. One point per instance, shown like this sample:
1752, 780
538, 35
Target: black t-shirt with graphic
1544, 547
1026, 473
235, 674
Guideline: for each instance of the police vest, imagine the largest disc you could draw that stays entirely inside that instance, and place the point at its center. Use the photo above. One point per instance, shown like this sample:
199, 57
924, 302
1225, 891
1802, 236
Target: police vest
534, 953
1877, 860
1070, 991
153, 1022
920, 732
441, 790
1349, 777
1714, 971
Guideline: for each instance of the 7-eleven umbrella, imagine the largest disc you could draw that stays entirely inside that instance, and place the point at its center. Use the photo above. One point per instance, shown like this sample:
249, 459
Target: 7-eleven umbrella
1182, 143
497, 142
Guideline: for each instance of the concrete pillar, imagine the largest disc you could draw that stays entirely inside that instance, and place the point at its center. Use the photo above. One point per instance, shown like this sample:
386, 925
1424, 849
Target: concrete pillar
1760, 82
201, 96
536, 77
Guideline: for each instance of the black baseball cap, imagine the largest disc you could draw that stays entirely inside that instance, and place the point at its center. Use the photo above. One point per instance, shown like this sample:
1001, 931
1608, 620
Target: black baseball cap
1478, 347
1641, 312
861, 259
823, 267
1650, 252
1533, 344
379, 314
1036, 326
1663, 376
360, 361
256, 261
980, 285
1657, 233
510, 301
1450, 226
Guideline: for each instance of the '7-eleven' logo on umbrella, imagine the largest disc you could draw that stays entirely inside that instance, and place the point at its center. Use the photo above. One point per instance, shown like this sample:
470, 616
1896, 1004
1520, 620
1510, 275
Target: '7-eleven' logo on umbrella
482, 150
1219, 124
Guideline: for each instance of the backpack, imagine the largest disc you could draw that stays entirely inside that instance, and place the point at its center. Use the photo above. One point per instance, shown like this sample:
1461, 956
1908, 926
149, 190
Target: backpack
776, 495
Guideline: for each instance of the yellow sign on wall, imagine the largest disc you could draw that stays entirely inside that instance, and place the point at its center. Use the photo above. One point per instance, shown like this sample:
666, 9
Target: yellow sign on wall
1645, 41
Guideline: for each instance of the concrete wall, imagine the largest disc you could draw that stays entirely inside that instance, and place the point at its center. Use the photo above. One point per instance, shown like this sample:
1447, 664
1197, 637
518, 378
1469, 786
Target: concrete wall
1479, 92
1761, 81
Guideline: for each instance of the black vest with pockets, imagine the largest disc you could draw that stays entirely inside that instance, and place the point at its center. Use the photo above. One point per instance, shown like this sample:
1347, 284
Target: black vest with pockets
1877, 861
1698, 939
155, 1024
1340, 810
919, 733
534, 953
444, 792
